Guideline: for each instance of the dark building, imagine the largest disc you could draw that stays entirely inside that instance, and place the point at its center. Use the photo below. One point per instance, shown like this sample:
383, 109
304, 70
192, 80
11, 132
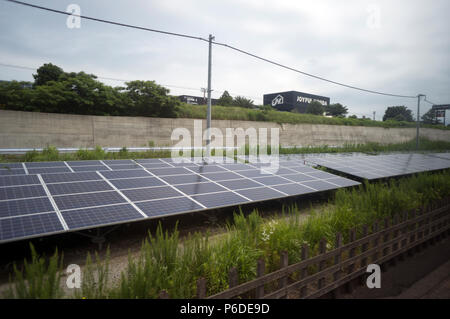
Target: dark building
293, 100
196, 100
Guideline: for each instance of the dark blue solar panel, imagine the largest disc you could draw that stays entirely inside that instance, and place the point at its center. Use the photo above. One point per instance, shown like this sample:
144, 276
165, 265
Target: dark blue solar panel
237, 167
78, 187
220, 199
284, 171
320, 185
83, 163
14, 171
136, 182
261, 193
166, 207
183, 179
16, 192
299, 177
49, 170
118, 162
19, 180
156, 165
124, 166
31, 225
207, 169
25, 207
70, 177
272, 180
87, 200
294, 189
169, 171
221, 176
44, 164
125, 174
10, 165
200, 188
90, 168
239, 184
255, 173
151, 193
303, 169
343, 182
321, 175
149, 160
100, 216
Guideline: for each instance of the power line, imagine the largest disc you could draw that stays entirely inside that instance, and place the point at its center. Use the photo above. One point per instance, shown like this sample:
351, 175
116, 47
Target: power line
107, 21
311, 75
216, 43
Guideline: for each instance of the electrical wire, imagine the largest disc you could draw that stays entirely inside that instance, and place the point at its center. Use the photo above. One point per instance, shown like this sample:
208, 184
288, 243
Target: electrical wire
216, 43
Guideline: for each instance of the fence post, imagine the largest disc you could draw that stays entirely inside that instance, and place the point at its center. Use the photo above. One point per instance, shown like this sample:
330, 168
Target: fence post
323, 263
385, 239
233, 277
201, 288
284, 262
304, 271
375, 229
404, 230
364, 247
260, 271
352, 237
337, 260
412, 237
395, 246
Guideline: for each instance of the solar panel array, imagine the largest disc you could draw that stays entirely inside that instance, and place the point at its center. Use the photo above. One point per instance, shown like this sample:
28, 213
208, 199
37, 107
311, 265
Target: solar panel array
51, 197
380, 166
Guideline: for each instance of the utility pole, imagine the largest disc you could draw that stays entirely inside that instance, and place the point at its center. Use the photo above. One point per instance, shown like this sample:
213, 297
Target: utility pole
418, 120
374, 115
208, 113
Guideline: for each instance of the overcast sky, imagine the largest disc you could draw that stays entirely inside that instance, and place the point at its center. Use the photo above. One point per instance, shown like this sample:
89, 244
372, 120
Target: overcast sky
400, 47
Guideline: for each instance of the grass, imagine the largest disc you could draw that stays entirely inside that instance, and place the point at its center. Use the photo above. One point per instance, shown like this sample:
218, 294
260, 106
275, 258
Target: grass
50, 153
167, 263
243, 114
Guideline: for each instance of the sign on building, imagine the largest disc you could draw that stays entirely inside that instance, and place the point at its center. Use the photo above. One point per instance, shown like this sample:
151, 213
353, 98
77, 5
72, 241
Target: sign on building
293, 100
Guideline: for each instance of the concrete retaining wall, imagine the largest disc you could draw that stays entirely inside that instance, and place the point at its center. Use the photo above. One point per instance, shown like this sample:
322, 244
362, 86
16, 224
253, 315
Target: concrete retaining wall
36, 130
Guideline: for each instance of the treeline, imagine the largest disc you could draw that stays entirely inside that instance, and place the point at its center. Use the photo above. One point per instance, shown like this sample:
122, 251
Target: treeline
56, 91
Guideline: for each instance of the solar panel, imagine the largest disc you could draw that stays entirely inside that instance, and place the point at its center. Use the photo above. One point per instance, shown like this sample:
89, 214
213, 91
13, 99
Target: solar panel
78, 187
379, 166
127, 183
95, 193
143, 194
27, 206
29, 226
16, 192
220, 199
97, 216
200, 188
19, 180
65, 202
163, 207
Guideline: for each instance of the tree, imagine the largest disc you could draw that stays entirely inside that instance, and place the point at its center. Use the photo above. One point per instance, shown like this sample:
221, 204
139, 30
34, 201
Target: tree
398, 113
226, 99
430, 117
16, 95
150, 99
336, 109
241, 101
315, 108
47, 72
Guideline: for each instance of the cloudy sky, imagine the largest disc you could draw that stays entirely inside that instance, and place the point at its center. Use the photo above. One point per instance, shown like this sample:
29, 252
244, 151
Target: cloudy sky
400, 47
